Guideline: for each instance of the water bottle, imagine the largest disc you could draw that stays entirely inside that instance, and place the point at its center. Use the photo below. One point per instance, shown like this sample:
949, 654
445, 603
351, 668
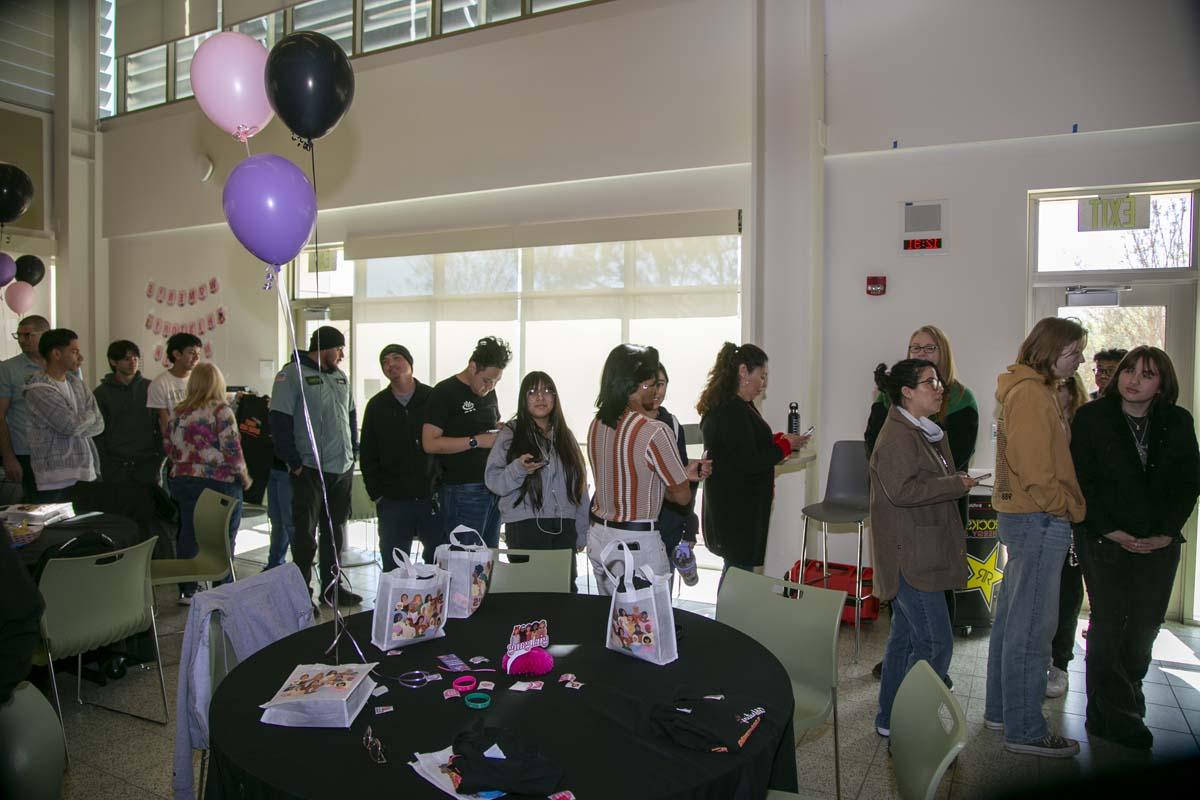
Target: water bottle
685, 562
793, 425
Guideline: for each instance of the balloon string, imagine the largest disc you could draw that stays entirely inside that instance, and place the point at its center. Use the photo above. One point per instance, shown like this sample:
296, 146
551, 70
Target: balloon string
340, 628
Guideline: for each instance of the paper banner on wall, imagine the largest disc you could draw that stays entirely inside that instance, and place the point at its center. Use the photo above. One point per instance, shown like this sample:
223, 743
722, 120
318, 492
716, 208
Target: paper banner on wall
184, 296
197, 327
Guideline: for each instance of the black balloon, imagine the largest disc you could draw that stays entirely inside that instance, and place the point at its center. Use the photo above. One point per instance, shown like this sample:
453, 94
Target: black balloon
30, 269
16, 192
310, 83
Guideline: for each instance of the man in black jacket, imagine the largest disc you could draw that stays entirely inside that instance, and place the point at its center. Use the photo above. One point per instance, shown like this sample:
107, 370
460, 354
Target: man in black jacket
396, 471
131, 449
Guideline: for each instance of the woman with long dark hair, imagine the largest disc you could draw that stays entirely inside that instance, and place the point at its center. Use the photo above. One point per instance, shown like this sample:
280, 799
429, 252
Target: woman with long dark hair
737, 498
536, 469
1137, 460
917, 536
635, 463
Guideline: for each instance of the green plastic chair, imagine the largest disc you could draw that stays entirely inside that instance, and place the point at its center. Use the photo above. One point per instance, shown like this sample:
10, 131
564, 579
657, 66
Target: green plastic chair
544, 571
928, 732
801, 632
214, 560
33, 758
94, 601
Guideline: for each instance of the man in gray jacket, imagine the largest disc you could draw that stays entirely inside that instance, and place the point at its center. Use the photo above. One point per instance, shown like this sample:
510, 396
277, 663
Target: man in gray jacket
63, 418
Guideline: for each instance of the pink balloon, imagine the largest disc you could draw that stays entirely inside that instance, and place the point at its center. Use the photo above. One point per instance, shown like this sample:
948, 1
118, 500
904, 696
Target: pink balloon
227, 79
19, 296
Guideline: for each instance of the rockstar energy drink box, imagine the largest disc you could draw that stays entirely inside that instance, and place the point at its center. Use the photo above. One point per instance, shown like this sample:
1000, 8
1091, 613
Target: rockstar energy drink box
975, 605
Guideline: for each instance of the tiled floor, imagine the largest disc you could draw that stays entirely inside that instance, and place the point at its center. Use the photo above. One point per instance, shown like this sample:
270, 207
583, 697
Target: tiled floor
114, 756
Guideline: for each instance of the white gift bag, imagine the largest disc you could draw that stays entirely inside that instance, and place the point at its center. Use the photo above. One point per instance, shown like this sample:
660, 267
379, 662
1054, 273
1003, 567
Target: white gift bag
410, 604
470, 568
640, 620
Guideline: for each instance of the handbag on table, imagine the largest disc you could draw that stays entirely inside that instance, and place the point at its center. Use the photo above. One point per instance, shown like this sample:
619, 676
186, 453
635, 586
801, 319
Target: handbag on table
641, 622
410, 604
470, 569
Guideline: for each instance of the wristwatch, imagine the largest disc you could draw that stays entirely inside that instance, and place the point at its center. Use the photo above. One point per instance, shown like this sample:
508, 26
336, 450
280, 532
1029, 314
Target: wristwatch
472, 442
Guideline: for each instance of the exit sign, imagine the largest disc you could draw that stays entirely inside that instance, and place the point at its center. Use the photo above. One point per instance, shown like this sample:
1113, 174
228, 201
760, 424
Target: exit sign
1130, 212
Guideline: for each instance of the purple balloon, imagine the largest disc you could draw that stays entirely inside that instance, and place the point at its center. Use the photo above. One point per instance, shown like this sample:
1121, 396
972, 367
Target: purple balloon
8, 269
270, 207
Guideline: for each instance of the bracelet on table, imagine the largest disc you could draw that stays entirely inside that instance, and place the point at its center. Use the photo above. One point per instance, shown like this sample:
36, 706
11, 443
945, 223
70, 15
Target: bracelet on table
414, 679
465, 684
478, 700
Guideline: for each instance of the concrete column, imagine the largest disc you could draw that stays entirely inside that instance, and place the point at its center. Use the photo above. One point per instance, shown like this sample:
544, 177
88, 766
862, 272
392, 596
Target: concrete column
788, 232
82, 260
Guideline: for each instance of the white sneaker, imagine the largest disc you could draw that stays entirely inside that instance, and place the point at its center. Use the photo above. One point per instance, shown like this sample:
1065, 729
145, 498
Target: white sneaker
1057, 682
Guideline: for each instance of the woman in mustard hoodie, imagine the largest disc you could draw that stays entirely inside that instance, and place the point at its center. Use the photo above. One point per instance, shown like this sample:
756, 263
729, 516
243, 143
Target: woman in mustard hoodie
1037, 497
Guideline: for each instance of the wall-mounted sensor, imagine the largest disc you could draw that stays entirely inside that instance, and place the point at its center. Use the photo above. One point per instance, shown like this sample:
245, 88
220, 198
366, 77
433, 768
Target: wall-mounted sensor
876, 285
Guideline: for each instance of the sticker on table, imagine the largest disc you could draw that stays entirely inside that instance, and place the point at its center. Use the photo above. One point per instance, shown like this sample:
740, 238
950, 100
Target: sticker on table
479, 660
454, 663
383, 710
574, 685
486, 686
450, 693
566, 676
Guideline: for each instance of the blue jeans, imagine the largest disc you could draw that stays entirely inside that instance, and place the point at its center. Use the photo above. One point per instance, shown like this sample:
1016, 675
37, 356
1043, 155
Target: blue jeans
920, 632
186, 492
400, 521
279, 509
469, 504
1026, 617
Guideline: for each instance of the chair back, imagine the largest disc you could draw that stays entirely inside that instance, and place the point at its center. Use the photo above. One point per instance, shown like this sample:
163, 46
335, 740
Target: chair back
96, 600
928, 731
33, 758
800, 631
221, 658
849, 481
211, 518
536, 571
361, 507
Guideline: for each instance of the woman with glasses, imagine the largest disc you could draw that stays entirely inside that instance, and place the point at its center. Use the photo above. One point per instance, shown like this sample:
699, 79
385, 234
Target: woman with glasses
1136, 456
1037, 498
536, 469
744, 452
917, 537
635, 463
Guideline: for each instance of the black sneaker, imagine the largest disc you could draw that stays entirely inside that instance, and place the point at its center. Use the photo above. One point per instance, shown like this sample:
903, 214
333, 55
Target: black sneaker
345, 597
1049, 746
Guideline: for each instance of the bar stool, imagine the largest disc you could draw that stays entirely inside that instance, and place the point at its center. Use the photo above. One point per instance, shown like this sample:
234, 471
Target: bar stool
847, 500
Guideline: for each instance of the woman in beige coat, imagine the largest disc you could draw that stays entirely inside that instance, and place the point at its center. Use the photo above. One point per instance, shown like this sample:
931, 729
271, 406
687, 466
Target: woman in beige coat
917, 537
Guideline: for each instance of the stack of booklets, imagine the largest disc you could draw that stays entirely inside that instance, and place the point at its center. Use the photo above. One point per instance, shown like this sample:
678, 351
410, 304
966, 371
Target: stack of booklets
434, 767
321, 696
36, 514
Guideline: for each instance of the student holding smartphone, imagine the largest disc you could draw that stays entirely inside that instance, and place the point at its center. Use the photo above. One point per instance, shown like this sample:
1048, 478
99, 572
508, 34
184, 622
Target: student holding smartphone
744, 453
536, 469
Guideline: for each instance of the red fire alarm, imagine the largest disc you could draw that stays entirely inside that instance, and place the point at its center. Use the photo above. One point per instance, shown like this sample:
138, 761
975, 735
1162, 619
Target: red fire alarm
876, 285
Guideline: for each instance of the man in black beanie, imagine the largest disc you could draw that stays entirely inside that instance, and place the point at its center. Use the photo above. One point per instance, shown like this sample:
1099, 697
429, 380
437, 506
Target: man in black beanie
315, 380
396, 471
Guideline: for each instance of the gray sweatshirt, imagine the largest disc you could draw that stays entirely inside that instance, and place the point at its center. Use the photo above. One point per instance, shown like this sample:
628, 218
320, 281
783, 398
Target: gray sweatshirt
504, 481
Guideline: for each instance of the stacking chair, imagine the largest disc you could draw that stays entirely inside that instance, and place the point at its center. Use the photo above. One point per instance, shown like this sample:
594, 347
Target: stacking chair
363, 510
847, 501
215, 559
93, 601
33, 758
928, 732
538, 571
800, 631
221, 661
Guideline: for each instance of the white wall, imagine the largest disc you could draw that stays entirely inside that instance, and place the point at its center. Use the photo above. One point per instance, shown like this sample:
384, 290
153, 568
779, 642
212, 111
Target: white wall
978, 291
940, 71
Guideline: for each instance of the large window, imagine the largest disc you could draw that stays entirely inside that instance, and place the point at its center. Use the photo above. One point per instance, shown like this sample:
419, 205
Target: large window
146, 78
560, 308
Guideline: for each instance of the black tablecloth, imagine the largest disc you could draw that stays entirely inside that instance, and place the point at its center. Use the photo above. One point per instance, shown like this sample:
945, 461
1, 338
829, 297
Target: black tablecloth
122, 530
598, 734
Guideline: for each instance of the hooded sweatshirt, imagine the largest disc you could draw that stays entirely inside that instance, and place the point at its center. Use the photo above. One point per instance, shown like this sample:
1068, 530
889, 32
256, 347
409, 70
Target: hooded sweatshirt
131, 432
1034, 470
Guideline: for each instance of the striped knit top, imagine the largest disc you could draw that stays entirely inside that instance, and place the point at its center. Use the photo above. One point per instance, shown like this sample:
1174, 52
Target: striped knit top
633, 465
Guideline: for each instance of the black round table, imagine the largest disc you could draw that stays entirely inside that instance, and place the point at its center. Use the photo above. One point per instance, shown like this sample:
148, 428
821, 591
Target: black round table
599, 734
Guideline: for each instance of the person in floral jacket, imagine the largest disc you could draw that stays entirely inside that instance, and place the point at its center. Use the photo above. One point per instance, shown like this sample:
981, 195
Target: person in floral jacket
205, 452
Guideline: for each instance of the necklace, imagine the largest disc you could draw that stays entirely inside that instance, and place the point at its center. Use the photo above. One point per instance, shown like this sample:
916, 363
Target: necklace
1140, 428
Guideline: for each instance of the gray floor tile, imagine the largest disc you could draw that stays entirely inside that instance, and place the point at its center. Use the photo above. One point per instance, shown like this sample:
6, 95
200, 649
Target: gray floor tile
1193, 719
1167, 718
1188, 696
88, 783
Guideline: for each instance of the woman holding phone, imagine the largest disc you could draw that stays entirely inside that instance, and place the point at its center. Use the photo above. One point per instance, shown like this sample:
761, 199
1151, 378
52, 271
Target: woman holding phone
918, 541
536, 469
1136, 456
744, 453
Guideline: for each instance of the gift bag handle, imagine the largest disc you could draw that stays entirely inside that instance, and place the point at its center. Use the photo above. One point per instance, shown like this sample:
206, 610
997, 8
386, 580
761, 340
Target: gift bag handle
464, 529
604, 557
411, 570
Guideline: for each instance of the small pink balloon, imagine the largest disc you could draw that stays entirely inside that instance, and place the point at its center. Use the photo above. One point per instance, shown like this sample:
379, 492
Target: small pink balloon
227, 79
19, 296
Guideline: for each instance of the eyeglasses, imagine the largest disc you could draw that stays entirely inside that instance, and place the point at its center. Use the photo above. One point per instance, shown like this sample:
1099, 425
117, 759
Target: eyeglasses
924, 349
19, 335
374, 746
545, 391
1105, 372
934, 383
